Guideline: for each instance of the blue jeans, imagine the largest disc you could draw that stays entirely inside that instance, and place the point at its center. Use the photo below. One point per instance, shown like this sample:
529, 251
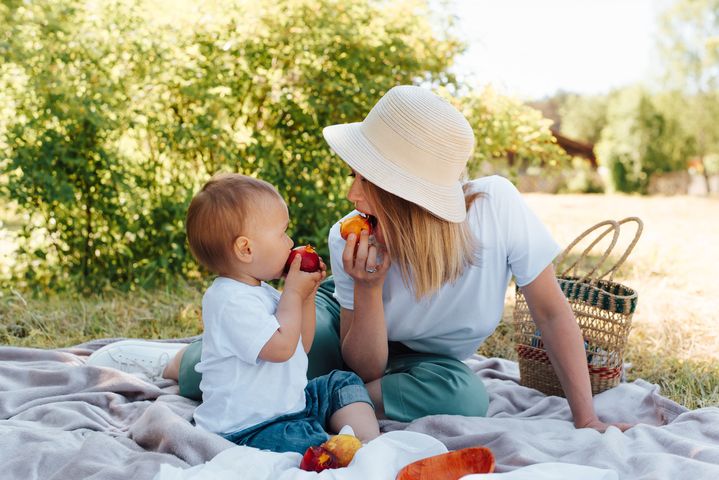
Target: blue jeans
295, 432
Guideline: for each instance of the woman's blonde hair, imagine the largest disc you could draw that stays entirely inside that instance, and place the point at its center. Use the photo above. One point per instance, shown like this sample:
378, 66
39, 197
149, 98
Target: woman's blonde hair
430, 251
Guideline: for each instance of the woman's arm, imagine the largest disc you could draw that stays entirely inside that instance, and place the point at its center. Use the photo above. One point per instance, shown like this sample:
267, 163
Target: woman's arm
363, 332
565, 346
363, 337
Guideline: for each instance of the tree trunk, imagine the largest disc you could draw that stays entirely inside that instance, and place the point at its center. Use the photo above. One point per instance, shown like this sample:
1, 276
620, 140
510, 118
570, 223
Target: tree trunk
705, 173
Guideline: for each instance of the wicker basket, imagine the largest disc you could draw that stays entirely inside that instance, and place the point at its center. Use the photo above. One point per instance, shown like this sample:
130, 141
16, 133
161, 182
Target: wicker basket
603, 309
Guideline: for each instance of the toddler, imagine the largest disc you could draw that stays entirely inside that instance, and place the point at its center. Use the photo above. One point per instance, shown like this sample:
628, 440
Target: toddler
255, 342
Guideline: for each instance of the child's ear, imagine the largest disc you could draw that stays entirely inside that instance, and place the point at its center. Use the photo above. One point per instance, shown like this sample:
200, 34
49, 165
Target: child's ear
243, 249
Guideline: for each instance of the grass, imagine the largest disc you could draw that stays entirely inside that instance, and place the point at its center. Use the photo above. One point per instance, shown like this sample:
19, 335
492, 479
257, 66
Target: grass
674, 342
63, 321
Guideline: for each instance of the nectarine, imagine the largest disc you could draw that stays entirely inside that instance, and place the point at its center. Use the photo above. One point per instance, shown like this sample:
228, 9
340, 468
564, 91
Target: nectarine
310, 259
337, 452
355, 224
317, 459
343, 447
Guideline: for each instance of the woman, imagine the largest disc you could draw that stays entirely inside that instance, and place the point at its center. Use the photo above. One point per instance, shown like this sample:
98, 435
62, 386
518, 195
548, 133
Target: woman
409, 307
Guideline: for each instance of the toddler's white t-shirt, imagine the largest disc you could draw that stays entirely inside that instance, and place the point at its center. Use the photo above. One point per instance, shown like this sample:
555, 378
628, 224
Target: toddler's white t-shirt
240, 390
460, 316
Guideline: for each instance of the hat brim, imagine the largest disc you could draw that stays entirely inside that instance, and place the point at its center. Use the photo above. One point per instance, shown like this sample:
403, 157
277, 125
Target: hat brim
348, 141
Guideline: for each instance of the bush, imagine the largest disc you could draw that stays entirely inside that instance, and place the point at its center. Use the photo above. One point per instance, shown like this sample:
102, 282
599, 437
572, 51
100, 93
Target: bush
110, 120
639, 140
116, 120
510, 136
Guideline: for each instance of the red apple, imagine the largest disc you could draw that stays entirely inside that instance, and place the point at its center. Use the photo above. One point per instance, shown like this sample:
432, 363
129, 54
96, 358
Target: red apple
317, 459
310, 259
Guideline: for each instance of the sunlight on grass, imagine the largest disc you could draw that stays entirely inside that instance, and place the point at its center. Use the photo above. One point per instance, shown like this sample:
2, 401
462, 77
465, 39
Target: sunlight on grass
674, 341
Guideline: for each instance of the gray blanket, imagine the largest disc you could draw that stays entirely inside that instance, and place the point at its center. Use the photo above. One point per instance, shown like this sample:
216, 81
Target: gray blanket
62, 419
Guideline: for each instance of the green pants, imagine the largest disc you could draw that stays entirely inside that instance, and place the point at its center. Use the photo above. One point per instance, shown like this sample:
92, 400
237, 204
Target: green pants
415, 384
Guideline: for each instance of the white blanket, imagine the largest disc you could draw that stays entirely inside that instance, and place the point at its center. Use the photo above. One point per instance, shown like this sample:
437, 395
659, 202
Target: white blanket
531, 436
60, 419
380, 459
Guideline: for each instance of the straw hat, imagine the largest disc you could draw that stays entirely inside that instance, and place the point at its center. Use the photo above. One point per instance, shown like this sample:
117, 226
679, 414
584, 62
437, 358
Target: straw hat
412, 144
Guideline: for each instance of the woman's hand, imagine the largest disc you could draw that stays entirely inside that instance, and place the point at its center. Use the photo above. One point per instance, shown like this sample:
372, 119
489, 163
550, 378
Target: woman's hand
600, 426
360, 261
363, 332
565, 347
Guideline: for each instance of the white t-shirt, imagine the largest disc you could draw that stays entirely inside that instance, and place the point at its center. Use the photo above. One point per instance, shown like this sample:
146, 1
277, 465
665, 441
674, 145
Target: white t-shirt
460, 316
240, 390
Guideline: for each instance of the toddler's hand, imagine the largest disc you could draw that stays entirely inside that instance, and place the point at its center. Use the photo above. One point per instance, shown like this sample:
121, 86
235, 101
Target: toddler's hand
323, 271
302, 283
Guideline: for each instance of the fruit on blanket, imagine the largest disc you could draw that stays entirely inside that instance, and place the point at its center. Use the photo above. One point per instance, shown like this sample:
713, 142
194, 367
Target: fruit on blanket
337, 452
343, 447
450, 465
310, 259
355, 224
317, 459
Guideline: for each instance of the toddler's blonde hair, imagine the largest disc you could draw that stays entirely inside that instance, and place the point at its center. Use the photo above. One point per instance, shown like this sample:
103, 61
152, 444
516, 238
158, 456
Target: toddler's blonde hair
219, 213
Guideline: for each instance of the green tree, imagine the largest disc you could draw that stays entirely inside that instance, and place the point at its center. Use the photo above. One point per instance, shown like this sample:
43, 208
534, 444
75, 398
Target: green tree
690, 49
66, 69
639, 141
584, 117
510, 136
113, 116
114, 119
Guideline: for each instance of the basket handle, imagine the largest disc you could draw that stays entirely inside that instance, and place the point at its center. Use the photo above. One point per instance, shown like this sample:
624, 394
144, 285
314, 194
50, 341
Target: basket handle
640, 227
612, 227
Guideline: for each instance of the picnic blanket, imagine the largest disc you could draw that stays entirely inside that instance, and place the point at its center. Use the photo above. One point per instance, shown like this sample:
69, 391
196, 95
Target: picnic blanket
62, 419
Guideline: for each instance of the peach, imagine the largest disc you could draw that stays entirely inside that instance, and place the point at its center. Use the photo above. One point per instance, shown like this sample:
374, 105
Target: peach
343, 447
355, 224
337, 452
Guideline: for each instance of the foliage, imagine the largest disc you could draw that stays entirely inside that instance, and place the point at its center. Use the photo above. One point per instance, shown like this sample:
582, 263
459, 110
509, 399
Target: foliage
582, 177
689, 45
112, 121
63, 164
584, 117
510, 136
551, 105
639, 141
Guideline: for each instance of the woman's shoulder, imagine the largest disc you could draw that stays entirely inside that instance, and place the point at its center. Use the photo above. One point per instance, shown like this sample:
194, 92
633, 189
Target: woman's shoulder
492, 184
495, 189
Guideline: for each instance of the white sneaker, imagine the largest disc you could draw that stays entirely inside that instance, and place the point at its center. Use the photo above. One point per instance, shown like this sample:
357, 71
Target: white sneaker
136, 357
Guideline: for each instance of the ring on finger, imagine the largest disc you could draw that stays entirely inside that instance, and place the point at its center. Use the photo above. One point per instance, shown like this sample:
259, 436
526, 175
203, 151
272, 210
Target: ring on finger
371, 270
